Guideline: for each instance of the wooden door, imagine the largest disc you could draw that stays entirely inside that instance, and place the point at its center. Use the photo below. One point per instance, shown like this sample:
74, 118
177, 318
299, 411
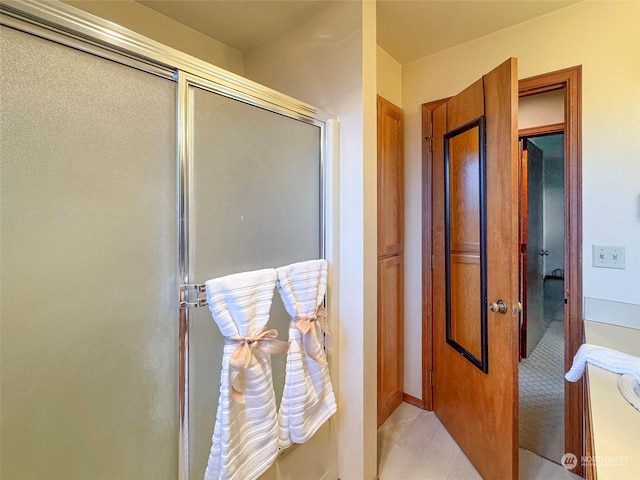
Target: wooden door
390, 179
390, 258
531, 248
390, 336
475, 247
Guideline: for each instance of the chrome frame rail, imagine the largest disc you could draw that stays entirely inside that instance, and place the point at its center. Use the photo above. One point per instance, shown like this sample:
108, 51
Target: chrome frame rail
72, 27
183, 147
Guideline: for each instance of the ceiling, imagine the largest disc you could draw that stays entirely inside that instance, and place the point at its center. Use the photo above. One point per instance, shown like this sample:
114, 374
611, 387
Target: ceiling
407, 29
430, 26
241, 24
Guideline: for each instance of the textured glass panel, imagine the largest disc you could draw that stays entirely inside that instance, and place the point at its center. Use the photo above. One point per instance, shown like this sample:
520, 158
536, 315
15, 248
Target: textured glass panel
89, 275
255, 204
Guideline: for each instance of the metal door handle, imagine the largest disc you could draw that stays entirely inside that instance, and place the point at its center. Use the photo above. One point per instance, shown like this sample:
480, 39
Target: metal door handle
517, 307
499, 307
544, 252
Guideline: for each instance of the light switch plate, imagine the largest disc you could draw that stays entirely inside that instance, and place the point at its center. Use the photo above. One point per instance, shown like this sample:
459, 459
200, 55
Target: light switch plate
605, 256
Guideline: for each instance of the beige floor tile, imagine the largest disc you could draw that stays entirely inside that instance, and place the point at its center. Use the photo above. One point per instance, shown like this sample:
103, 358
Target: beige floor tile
418, 447
535, 467
424, 451
392, 429
463, 470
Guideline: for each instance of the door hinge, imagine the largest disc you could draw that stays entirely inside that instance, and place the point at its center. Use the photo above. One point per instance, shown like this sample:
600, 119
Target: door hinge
429, 138
192, 296
431, 378
431, 261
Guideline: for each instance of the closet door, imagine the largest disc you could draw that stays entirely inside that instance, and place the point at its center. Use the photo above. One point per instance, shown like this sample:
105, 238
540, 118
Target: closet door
390, 179
390, 258
254, 203
89, 272
390, 336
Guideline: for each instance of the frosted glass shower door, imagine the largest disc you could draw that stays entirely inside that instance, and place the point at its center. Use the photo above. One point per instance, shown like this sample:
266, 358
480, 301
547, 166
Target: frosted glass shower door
255, 203
89, 272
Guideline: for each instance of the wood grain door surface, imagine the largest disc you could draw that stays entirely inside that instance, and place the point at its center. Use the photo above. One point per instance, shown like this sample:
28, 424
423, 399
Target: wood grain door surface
390, 336
390, 258
478, 408
390, 179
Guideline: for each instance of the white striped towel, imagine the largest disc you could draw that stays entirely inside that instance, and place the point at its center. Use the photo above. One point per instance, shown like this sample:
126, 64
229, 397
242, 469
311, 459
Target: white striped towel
308, 399
245, 435
603, 357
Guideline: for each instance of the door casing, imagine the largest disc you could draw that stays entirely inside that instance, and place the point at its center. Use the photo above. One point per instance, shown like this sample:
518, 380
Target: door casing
571, 80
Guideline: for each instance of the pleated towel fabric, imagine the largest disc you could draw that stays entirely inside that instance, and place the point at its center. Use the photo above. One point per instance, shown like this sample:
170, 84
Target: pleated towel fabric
603, 357
245, 435
308, 399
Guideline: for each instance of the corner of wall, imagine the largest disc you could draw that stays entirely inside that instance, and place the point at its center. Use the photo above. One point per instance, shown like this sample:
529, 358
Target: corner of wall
389, 77
145, 21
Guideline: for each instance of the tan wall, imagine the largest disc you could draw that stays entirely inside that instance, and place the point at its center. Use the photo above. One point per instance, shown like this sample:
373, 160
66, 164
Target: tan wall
388, 77
328, 60
147, 22
601, 36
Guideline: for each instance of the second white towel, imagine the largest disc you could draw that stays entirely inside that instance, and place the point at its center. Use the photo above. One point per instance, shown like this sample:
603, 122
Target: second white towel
308, 399
603, 357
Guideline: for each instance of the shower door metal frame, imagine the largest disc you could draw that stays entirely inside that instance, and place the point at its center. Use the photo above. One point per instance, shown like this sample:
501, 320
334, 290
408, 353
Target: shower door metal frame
186, 83
69, 26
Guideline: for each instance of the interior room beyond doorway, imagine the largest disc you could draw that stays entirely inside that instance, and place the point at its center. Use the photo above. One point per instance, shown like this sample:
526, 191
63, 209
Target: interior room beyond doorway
541, 370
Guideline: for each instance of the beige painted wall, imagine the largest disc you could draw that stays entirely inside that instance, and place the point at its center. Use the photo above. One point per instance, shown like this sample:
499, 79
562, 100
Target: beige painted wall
328, 60
388, 77
603, 37
148, 22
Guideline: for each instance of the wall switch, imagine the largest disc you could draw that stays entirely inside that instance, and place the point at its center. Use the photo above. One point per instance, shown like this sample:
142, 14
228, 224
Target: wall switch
608, 257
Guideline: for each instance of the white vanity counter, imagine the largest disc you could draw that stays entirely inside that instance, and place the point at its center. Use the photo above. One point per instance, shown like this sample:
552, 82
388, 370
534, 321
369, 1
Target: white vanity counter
615, 423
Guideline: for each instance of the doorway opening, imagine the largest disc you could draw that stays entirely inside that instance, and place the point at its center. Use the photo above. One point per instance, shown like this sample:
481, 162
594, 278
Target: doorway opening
541, 369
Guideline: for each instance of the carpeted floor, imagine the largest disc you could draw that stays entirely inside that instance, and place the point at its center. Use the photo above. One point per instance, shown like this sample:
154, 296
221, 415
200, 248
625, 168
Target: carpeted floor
542, 392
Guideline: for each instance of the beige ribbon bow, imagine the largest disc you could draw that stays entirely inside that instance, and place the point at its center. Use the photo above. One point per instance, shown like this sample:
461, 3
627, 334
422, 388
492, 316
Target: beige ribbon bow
312, 342
240, 358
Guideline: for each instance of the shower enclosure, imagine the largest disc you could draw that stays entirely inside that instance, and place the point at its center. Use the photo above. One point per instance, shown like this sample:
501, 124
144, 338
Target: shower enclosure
130, 174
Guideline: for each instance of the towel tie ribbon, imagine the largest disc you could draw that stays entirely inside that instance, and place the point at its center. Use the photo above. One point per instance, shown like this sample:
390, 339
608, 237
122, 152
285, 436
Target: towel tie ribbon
311, 334
240, 358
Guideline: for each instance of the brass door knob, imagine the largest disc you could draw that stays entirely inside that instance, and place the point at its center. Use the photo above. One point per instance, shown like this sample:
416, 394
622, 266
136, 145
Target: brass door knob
517, 307
499, 307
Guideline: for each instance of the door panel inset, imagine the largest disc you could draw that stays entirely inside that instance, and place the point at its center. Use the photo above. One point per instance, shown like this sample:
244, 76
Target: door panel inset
390, 335
390, 125
465, 254
465, 328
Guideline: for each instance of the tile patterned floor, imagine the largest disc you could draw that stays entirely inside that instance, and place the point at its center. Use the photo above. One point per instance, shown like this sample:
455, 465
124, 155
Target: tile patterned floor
542, 382
542, 396
413, 445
